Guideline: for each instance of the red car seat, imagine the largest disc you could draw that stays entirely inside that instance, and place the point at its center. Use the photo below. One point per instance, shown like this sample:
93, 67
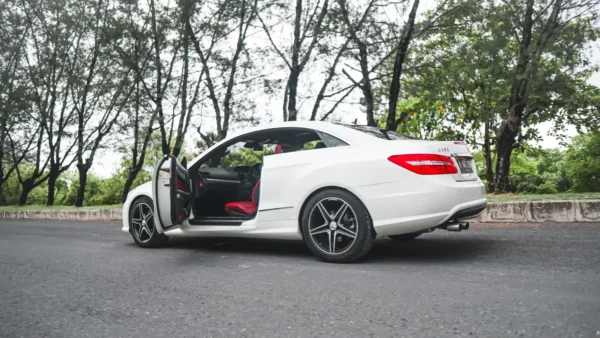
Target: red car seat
248, 208
245, 207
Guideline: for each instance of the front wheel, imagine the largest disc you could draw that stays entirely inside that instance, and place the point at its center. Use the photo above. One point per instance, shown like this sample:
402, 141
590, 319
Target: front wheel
141, 224
337, 226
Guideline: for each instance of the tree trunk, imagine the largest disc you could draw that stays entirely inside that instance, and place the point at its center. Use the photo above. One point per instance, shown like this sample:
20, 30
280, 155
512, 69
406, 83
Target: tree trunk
27, 186
366, 86
52, 178
364, 63
83, 171
293, 89
285, 101
133, 172
487, 152
502, 167
505, 141
2, 197
401, 51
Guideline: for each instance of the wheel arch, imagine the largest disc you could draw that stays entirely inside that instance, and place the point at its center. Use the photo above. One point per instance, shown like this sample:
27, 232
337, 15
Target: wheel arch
305, 202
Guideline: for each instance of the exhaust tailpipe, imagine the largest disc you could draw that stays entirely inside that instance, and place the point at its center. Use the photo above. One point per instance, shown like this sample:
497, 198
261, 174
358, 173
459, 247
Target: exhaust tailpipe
457, 226
453, 227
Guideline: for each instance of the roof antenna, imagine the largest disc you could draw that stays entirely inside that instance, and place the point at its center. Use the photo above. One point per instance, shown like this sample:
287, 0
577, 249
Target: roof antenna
355, 121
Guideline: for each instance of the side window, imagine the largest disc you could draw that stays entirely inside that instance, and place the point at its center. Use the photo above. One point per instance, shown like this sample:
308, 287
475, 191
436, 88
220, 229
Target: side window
332, 141
237, 154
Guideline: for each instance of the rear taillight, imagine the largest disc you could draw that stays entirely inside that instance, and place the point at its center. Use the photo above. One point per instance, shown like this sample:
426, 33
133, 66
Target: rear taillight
425, 164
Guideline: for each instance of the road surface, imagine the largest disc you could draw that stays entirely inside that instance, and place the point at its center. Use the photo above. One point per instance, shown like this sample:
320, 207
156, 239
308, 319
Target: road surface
70, 279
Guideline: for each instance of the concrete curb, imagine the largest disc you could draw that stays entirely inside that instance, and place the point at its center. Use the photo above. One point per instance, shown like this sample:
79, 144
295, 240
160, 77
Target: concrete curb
540, 211
71, 215
496, 212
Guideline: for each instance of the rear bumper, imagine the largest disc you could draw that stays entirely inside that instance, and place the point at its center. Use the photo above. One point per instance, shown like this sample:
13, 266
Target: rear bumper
468, 213
420, 204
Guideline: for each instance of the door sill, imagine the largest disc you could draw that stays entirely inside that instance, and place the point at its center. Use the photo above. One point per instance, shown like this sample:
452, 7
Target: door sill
219, 221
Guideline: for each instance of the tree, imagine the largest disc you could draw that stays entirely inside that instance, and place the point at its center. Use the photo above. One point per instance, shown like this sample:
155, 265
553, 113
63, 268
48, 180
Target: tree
297, 59
130, 37
157, 41
354, 29
547, 22
54, 30
35, 173
241, 14
98, 96
13, 94
371, 31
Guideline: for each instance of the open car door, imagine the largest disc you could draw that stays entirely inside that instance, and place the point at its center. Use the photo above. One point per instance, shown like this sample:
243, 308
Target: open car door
171, 186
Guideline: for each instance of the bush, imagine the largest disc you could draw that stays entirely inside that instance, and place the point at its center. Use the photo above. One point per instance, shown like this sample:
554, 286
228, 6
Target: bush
534, 171
583, 162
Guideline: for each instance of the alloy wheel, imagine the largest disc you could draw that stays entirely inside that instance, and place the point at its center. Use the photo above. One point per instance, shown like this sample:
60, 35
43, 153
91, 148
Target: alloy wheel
333, 225
142, 222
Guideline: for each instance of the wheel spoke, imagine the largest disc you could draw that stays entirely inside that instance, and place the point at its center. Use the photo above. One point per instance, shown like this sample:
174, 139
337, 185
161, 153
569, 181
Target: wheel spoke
343, 228
340, 212
148, 216
144, 229
136, 221
342, 231
324, 212
141, 208
332, 236
319, 229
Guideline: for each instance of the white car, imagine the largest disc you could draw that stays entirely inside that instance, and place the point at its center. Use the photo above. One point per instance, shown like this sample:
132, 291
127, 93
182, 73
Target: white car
335, 186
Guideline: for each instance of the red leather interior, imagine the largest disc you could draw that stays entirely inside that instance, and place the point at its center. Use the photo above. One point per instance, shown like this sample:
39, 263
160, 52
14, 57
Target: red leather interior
278, 149
244, 207
249, 207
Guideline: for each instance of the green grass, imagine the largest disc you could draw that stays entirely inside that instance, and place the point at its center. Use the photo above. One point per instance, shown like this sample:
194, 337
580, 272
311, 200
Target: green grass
56, 207
559, 196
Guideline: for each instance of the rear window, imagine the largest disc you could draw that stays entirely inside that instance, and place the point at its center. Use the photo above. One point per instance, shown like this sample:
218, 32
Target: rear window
379, 133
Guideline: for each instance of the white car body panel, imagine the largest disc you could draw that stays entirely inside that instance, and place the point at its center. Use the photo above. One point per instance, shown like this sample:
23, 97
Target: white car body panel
397, 200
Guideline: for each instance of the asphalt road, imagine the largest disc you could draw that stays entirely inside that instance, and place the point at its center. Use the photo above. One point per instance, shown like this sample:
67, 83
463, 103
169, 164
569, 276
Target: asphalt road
68, 279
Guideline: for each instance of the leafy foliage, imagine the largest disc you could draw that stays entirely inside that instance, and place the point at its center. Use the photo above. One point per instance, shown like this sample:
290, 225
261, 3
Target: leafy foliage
583, 162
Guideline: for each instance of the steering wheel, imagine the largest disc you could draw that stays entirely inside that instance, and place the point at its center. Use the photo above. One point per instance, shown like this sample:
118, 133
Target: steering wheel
255, 170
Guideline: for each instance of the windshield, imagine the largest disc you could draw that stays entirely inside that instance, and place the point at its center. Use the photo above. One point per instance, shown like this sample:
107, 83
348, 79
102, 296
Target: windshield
379, 133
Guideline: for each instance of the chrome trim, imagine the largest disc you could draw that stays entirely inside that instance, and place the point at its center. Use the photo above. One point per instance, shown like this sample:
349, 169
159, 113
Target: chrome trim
468, 155
280, 208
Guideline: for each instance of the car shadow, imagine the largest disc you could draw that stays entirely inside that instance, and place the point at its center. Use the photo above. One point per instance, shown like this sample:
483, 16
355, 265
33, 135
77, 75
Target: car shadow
438, 249
243, 246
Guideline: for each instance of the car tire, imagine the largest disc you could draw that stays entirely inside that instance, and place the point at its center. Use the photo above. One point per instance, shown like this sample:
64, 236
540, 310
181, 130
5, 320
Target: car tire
346, 237
406, 237
141, 224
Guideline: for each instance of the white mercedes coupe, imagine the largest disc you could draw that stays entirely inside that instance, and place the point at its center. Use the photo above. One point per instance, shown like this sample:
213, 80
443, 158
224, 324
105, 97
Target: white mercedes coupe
335, 186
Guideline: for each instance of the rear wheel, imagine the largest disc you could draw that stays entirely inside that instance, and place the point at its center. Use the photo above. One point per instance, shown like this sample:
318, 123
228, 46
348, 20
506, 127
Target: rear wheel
141, 224
337, 226
406, 237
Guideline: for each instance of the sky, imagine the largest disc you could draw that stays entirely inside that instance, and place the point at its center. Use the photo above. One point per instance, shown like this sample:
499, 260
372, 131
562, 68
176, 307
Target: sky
107, 161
